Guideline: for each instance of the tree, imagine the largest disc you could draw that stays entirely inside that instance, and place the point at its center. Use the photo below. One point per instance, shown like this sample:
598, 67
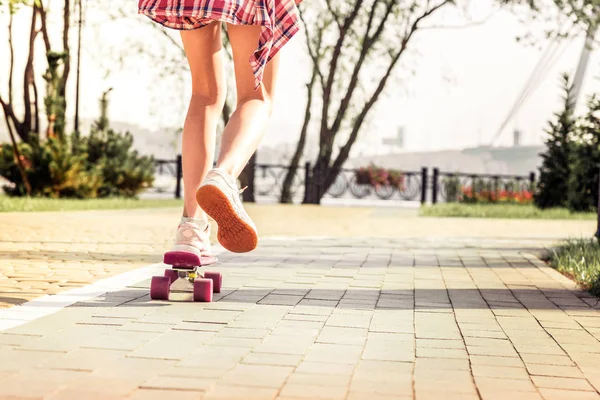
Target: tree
355, 48
370, 37
585, 161
552, 188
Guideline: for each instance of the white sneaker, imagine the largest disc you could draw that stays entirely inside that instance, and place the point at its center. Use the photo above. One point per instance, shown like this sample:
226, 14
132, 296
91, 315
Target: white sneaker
192, 242
219, 197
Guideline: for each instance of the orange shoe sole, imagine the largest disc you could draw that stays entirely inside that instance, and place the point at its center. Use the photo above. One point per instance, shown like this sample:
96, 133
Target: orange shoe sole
233, 233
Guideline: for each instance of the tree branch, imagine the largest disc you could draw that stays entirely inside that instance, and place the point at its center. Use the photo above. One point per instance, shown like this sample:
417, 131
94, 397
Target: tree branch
17, 154
368, 43
327, 91
11, 52
334, 14
315, 56
28, 77
66, 47
345, 150
44, 27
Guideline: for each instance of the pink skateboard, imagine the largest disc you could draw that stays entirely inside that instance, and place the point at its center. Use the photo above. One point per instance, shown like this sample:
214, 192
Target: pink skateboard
185, 270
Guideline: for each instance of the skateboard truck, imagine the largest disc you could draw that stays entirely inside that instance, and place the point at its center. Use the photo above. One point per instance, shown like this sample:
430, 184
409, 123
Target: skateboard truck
184, 275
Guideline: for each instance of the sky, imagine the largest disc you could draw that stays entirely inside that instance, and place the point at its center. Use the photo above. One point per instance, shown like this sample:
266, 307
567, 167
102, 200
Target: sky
453, 91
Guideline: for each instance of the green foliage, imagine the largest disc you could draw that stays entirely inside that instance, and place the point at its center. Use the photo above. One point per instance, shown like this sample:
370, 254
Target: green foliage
52, 168
26, 204
452, 188
579, 260
552, 188
54, 102
124, 171
583, 181
102, 164
502, 211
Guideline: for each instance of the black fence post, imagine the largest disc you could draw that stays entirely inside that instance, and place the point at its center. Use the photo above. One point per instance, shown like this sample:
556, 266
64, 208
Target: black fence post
307, 178
179, 177
424, 185
434, 188
532, 180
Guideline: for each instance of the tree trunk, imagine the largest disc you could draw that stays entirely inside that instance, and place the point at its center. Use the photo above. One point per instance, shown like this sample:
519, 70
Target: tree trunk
17, 153
25, 128
315, 188
286, 189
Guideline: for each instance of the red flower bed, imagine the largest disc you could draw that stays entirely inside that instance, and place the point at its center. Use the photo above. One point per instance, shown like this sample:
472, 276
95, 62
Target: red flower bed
501, 196
375, 176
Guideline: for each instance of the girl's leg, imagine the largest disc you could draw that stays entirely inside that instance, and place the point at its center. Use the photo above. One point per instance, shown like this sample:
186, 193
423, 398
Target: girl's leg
203, 48
218, 195
248, 123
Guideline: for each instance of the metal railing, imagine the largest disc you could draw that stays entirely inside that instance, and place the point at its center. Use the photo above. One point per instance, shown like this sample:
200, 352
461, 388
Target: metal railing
416, 185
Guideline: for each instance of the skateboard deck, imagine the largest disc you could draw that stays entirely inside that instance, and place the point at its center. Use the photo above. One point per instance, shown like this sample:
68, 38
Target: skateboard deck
185, 269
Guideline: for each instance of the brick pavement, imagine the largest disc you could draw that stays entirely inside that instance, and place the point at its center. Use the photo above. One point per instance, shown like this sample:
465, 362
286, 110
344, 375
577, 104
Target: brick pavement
329, 318
46, 253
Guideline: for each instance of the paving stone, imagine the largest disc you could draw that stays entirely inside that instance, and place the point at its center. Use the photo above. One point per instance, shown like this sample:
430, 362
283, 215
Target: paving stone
337, 335
304, 391
440, 344
545, 359
500, 372
84, 359
516, 385
152, 394
441, 353
173, 345
92, 387
561, 371
179, 383
451, 364
325, 368
302, 378
289, 360
257, 375
334, 353
561, 383
559, 394
45, 382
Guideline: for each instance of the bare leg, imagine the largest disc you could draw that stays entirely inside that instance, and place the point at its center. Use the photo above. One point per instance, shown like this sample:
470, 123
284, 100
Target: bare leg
218, 195
248, 123
203, 48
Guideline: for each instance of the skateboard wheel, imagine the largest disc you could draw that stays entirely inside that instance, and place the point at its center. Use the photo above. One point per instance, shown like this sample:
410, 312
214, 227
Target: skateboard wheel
217, 279
171, 274
160, 287
203, 290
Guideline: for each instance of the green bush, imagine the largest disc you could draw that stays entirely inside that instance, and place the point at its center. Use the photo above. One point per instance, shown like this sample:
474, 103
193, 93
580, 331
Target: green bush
102, 164
452, 188
583, 180
552, 188
124, 172
579, 260
52, 168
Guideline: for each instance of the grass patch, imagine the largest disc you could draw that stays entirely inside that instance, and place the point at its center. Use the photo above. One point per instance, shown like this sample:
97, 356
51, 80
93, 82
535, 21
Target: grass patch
20, 204
580, 261
501, 211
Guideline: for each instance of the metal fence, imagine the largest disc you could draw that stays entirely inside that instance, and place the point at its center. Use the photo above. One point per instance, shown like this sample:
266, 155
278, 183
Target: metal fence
450, 187
416, 186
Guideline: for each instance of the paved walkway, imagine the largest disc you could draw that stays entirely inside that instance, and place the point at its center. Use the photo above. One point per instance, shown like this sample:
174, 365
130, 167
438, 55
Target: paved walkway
396, 316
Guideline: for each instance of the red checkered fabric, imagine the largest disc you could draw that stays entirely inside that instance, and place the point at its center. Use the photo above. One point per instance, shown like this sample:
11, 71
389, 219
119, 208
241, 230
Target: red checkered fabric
278, 18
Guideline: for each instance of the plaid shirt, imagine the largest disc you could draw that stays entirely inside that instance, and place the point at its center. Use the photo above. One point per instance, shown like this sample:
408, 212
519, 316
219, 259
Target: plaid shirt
278, 18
